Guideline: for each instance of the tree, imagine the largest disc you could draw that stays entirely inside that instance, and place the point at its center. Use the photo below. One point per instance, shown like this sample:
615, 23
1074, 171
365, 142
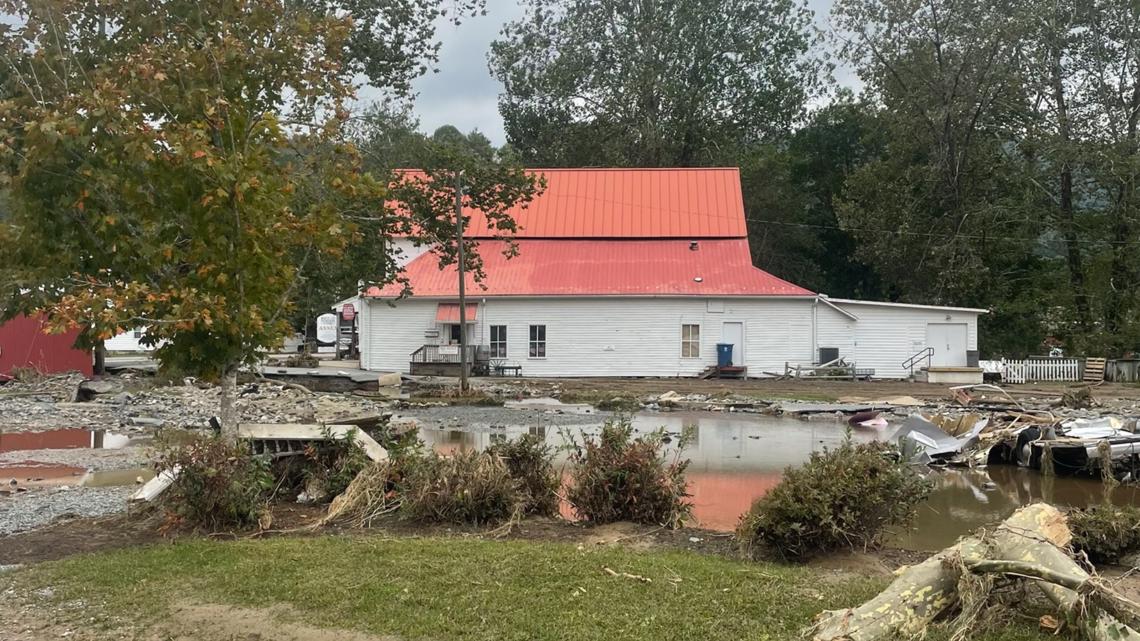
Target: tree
652, 83
393, 42
388, 138
154, 150
790, 192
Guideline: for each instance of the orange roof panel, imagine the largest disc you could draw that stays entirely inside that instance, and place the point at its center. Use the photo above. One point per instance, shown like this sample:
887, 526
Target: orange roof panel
719, 267
627, 203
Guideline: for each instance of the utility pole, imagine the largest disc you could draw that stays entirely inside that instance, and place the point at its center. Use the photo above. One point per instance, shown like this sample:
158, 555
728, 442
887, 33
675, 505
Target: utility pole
462, 287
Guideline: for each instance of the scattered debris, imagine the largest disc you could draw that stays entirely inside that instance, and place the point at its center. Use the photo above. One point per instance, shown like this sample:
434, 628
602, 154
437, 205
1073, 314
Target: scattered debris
626, 575
1029, 546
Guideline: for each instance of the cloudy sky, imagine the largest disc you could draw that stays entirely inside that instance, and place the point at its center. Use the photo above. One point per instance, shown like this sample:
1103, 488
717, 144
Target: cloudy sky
463, 93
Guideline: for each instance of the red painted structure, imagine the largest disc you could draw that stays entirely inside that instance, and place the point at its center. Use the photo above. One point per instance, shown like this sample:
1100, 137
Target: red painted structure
571, 267
23, 343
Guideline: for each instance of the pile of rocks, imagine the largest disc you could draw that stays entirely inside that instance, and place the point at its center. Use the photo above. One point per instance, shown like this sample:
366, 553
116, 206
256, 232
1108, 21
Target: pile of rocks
138, 406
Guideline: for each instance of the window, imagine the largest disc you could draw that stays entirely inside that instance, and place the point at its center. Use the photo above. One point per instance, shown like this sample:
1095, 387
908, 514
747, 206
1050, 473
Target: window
498, 341
138, 333
538, 341
690, 341
453, 335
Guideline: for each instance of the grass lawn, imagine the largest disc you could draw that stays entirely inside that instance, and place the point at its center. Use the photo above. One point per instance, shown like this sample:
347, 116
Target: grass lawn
467, 590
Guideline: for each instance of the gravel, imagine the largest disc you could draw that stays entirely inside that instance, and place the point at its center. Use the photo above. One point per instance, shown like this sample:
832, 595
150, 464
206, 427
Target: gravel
49, 404
35, 509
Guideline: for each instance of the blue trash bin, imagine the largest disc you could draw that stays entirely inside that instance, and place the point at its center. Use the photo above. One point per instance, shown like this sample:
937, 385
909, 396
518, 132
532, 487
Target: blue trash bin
724, 354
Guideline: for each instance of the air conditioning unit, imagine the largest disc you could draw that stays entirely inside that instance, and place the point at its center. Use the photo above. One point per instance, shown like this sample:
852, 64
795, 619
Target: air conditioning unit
431, 332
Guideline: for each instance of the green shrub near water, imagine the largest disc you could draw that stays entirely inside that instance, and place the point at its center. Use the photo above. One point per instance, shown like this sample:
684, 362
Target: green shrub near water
616, 477
530, 462
1106, 532
843, 498
221, 484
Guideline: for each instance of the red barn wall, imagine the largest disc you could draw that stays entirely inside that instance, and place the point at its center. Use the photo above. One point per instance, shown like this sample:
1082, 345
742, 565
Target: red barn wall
23, 343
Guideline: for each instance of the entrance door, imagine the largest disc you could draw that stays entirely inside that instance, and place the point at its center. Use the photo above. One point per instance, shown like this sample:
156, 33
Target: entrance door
949, 343
734, 333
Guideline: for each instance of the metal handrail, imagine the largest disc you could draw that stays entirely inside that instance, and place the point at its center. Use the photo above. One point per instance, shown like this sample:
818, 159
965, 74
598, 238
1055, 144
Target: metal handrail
927, 353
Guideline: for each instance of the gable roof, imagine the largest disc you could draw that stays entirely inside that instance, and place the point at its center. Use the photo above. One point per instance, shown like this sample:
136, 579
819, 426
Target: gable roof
601, 268
627, 203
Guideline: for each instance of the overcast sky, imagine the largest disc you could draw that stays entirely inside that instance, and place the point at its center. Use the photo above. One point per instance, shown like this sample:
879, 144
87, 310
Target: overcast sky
464, 94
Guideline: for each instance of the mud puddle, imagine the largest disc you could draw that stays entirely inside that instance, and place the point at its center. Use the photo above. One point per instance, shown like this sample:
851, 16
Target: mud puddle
737, 458
63, 439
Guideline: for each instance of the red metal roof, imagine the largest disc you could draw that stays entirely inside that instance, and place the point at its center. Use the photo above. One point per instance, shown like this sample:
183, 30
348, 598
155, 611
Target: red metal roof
627, 203
603, 268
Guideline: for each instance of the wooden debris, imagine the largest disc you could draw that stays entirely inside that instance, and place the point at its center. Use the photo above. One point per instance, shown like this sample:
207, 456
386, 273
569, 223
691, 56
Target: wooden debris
1030, 545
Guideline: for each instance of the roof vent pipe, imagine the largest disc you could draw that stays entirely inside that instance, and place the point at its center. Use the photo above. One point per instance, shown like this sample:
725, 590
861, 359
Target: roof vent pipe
694, 246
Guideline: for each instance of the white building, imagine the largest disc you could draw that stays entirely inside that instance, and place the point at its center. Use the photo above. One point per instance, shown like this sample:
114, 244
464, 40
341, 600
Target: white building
642, 273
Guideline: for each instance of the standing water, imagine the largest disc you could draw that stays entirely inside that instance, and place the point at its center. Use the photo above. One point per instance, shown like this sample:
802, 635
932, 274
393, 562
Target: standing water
737, 458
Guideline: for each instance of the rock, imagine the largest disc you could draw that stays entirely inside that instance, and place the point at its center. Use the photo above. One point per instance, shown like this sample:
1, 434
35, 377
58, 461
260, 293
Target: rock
145, 421
389, 380
669, 397
100, 386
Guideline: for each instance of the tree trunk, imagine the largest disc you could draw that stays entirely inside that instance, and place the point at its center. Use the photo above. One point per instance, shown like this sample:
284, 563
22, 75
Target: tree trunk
100, 366
1065, 177
1028, 544
227, 413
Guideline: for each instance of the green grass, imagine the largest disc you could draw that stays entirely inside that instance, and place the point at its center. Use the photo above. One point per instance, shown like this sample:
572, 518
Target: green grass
465, 590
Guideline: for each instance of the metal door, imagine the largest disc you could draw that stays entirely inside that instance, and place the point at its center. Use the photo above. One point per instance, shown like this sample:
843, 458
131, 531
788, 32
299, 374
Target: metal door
949, 343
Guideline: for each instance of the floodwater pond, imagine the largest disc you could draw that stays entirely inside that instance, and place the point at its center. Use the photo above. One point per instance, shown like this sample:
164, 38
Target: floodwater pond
27, 473
737, 458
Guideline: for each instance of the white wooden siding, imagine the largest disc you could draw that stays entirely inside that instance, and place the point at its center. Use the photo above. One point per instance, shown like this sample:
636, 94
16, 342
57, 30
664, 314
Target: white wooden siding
603, 336
642, 336
885, 336
125, 342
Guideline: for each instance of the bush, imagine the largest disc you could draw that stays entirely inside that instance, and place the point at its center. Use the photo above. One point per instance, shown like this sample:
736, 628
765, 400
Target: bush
220, 484
332, 464
530, 462
841, 498
466, 487
616, 477
1106, 532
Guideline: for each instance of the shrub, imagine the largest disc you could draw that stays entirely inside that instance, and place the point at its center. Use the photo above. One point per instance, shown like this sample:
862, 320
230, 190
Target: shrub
841, 498
530, 462
616, 477
466, 487
333, 463
1106, 532
220, 483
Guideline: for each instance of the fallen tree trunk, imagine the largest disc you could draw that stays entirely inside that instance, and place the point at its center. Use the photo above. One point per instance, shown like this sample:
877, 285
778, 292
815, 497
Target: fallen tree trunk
1030, 544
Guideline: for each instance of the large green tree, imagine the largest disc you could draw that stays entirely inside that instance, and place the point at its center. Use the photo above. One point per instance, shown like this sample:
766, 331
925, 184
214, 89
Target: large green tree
651, 82
1008, 179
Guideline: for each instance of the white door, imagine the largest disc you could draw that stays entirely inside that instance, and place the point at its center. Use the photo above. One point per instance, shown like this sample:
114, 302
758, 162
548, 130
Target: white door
949, 343
734, 333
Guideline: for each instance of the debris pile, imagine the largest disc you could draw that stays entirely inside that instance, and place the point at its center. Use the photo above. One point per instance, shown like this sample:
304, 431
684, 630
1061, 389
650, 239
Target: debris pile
961, 583
990, 432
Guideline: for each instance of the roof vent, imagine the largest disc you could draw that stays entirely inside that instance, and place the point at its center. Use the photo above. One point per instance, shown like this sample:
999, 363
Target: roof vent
694, 246
698, 279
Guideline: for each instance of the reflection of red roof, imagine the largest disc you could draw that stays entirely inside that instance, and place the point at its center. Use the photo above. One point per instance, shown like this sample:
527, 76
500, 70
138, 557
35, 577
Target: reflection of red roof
603, 268
627, 203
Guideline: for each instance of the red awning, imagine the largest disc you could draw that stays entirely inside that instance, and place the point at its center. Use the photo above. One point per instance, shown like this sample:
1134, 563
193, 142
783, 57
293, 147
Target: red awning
449, 312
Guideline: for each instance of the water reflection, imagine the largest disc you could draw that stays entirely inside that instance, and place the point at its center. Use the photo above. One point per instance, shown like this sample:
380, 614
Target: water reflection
737, 458
64, 439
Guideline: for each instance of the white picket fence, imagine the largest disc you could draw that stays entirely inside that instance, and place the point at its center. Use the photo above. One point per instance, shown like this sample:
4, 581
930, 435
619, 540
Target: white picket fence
1052, 370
